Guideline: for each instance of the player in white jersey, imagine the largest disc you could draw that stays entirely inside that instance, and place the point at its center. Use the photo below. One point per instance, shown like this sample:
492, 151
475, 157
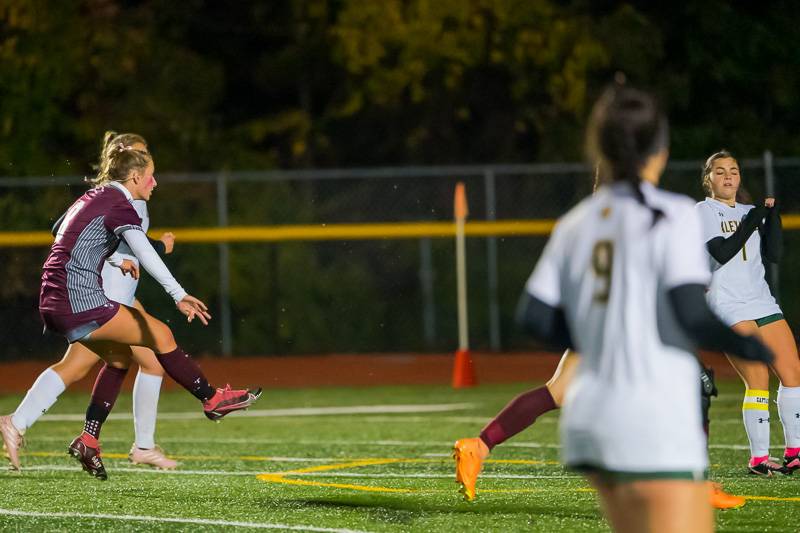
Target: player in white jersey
739, 237
79, 360
622, 281
523, 410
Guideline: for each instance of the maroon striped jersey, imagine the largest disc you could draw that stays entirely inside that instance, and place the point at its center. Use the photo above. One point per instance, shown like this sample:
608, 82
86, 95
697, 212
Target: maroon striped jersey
91, 231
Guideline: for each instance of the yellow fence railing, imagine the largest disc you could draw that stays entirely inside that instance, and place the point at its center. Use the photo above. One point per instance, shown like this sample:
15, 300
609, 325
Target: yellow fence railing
336, 232
317, 232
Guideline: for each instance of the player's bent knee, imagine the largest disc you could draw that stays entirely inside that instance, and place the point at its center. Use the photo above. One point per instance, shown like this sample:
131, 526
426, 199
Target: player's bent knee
164, 340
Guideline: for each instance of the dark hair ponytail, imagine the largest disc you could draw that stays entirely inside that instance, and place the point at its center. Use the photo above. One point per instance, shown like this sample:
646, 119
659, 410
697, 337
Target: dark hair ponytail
626, 128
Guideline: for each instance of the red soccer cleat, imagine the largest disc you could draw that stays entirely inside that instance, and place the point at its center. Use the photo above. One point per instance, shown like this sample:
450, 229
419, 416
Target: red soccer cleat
228, 400
86, 450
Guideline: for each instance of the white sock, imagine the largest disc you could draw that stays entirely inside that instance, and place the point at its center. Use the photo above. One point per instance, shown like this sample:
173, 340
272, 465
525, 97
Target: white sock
755, 412
40, 397
146, 389
789, 411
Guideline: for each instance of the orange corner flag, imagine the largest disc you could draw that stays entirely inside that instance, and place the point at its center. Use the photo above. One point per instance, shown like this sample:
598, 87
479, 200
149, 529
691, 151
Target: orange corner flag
461, 210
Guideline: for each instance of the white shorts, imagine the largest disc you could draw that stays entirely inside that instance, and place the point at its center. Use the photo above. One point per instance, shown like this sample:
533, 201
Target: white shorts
117, 286
656, 428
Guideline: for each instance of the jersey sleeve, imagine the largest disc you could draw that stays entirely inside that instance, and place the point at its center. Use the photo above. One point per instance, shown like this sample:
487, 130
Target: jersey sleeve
685, 259
710, 222
122, 217
545, 281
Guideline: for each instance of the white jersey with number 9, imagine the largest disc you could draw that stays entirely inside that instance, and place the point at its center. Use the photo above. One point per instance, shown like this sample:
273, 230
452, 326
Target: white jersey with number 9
634, 405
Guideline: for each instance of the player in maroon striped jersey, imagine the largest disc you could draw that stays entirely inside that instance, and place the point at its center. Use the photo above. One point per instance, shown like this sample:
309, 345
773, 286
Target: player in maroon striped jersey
72, 302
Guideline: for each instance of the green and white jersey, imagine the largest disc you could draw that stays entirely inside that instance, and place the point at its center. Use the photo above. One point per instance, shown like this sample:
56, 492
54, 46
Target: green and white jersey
738, 289
634, 405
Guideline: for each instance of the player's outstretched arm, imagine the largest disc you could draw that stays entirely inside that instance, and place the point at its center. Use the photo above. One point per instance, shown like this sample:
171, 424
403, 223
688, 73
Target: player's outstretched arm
544, 322
152, 263
704, 328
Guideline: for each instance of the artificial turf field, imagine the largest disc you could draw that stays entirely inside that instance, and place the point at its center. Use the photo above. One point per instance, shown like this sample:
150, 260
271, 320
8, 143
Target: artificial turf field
287, 465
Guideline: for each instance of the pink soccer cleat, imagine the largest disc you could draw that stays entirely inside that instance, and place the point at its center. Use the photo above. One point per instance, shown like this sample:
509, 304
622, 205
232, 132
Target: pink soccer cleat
154, 457
228, 400
766, 467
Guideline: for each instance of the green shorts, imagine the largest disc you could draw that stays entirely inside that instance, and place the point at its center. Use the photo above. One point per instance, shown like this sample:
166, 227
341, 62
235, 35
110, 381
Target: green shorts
614, 476
761, 322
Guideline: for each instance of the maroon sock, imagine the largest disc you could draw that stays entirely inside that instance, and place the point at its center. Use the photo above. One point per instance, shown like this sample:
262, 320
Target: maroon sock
182, 368
519, 414
104, 395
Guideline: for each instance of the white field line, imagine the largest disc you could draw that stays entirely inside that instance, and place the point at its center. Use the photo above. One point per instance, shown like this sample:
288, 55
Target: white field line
172, 520
378, 443
329, 474
291, 412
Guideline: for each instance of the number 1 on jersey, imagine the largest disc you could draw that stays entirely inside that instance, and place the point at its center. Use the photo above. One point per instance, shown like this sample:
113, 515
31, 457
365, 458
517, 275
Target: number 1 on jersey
602, 263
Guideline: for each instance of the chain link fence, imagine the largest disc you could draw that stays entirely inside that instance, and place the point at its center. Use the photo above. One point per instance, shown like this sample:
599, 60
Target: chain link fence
382, 295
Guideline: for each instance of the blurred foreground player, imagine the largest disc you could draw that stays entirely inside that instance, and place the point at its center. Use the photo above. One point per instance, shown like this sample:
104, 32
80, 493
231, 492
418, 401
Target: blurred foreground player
527, 407
622, 281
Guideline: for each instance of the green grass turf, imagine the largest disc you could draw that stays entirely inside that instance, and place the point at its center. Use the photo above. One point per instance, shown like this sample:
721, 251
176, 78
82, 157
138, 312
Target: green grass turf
555, 501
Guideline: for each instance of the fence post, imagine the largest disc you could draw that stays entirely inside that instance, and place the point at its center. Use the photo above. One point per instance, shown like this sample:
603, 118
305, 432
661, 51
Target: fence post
224, 267
426, 281
769, 189
491, 262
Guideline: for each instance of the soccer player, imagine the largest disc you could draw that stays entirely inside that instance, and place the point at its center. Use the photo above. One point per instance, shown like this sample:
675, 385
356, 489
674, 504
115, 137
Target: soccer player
523, 411
79, 360
622, 281
72, 302
739, 237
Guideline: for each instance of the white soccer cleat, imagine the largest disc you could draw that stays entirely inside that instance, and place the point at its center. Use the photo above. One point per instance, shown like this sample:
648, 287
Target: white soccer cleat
12, 440
154, 457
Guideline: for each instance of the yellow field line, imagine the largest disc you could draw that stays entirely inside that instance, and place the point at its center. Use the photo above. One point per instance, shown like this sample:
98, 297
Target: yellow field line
773, 498
363, 488
280, 477
342, 466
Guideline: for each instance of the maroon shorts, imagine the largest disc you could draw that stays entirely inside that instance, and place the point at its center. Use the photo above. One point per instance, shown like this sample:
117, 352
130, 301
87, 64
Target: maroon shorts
76, 326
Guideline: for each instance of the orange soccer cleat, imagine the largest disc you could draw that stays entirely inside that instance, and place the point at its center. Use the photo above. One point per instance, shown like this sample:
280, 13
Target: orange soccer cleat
469, 455
722, 500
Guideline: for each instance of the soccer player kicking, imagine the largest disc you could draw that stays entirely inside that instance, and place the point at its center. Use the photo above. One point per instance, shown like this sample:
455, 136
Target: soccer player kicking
72, 302
79, 360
